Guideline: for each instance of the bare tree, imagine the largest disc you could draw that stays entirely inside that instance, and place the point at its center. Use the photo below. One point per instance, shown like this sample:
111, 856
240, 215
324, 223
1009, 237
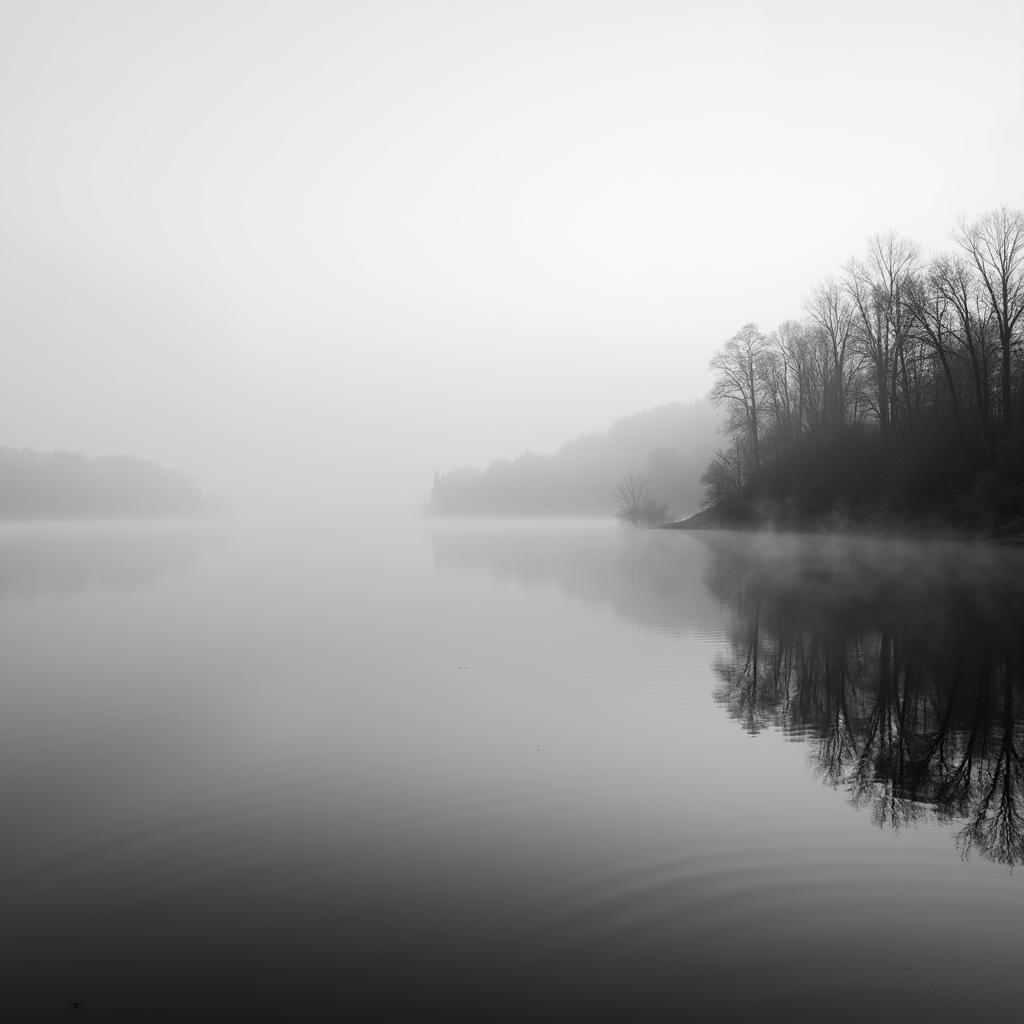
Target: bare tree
724, 476
637, 503
971, 330
877, 286
793, 341
930, 354
832, 312
933, 316
739, 382
995, 246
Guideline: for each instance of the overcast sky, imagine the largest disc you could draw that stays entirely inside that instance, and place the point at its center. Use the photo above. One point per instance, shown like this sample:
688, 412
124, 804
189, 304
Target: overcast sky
327, 248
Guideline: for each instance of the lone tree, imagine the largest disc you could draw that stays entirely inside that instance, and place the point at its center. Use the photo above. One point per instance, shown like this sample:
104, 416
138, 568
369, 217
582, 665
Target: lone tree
637, 503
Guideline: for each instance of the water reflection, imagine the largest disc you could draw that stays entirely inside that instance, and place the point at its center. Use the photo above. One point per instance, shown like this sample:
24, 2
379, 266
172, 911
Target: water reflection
652, 578
272, 766
50, 558
900, 665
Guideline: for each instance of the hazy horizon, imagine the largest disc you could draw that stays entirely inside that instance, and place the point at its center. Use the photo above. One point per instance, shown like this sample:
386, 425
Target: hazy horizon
712, 715
308, 253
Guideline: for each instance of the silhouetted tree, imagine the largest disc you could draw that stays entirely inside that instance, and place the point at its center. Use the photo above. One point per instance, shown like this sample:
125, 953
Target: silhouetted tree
995, 245
832, 313
895, 398
877, 286
739, 385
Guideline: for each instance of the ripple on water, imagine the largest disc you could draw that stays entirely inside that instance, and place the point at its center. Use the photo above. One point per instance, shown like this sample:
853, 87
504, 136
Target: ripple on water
841, 925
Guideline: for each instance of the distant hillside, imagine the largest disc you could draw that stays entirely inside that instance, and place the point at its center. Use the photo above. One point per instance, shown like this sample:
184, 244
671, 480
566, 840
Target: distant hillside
65, 485
670, 445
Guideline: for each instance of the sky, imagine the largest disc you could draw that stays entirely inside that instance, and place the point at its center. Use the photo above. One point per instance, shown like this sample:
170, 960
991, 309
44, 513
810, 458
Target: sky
311, 252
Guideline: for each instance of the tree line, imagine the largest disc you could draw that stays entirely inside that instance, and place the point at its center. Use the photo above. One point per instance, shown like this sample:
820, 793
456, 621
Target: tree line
57, 485
900, 390
656, 456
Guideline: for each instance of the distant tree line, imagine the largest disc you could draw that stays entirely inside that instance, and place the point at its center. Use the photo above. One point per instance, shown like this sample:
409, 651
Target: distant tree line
67, 485
661, 450
900, 391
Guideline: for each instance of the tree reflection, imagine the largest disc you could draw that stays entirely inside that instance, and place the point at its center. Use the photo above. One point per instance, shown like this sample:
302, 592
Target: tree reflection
899, 664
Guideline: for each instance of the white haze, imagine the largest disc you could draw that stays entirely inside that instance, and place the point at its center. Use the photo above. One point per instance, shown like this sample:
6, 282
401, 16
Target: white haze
311, 252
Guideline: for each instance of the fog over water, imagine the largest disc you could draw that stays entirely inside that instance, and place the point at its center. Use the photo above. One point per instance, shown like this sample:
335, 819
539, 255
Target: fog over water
274, 277
507, 771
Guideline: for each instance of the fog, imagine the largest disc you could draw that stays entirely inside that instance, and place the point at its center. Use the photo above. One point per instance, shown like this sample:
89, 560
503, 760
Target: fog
517, 770
309, 253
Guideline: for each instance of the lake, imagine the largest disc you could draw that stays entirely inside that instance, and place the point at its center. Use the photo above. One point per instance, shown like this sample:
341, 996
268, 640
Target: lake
508, 770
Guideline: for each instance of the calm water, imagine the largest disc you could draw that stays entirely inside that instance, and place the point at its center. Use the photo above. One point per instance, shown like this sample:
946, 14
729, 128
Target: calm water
534, 771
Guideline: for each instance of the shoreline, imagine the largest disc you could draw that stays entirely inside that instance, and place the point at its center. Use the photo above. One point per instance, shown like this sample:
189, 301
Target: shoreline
907, 530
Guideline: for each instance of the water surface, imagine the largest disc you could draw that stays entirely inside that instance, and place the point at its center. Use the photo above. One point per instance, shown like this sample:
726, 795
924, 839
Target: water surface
524, 770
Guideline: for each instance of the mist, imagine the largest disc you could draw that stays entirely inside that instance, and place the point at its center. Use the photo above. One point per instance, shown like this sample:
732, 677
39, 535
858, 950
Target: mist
309, 254
511, 511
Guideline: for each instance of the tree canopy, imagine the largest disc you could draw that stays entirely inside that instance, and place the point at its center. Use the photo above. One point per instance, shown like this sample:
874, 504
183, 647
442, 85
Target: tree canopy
899, 393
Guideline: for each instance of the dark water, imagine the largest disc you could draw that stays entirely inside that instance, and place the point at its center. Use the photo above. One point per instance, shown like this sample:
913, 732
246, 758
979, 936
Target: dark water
508, 771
